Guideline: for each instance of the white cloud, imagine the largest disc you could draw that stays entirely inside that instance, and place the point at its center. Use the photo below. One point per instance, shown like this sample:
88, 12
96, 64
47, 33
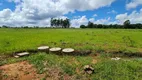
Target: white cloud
95, 15
102, 21
122, 17
84, 21
113, 12
133, 4
5, 13
38, 12
80, 21
134, 17
83, 5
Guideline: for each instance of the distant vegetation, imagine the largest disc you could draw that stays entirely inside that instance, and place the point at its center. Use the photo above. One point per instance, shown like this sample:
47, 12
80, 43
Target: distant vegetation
126, 25
65, 23
60, 23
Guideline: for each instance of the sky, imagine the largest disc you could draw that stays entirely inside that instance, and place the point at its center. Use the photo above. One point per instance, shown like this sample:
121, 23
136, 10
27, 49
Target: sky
39, 12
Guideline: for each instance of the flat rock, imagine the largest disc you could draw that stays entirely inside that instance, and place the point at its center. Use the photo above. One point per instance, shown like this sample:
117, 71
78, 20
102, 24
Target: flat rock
89, 72
16, 56
23, 54
68, 50
43, 48
88, 69
86, 66
55, 49
116, 59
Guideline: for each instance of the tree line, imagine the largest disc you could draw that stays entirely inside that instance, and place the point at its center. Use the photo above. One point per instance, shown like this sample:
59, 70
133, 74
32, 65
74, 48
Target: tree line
126, 25
60, 23
65, 23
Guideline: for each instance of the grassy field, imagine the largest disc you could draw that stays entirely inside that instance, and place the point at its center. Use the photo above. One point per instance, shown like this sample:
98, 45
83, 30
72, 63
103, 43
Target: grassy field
95, 39
100, 41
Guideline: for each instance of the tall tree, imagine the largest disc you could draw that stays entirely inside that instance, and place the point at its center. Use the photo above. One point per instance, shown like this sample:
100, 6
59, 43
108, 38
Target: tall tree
90, 24
126, 24
51, 22
60, 23
68, 23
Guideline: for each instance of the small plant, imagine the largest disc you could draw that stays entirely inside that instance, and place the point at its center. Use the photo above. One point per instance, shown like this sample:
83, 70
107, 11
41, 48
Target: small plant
38, 61
99, 49
105, 55
128, 41
43, 79
68, 69
5, 76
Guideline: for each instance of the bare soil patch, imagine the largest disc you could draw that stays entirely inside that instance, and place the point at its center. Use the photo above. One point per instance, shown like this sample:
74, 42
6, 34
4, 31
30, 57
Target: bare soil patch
19, 71
94, 61
25, 71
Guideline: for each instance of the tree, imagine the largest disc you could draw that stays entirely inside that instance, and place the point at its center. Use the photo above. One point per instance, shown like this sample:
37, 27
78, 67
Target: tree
4, 26
26, 27
95, 26
64, 24
138, 26
83, 26
126, 24
55, 23
90, 24
68, 23
60, 23
100, 26
51, 22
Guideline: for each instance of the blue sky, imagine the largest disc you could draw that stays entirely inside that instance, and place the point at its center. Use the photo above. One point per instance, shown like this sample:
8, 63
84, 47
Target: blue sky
5, 4
39, 12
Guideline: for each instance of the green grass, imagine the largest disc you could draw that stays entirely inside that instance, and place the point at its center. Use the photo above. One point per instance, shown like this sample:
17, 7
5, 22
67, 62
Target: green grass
67, 63
98, 40
95, 39
105, 68
118, 70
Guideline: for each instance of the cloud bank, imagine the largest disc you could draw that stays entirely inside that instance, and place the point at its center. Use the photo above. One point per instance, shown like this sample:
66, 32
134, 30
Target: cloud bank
39, 12
133, 4
134, 17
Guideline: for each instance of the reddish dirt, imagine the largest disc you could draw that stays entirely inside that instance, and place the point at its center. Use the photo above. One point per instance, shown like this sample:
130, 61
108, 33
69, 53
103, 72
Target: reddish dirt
94, 61
25, 71
19, 71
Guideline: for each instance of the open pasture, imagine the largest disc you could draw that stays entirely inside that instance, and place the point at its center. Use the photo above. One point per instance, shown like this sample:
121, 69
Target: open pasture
102, 42
94, 39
